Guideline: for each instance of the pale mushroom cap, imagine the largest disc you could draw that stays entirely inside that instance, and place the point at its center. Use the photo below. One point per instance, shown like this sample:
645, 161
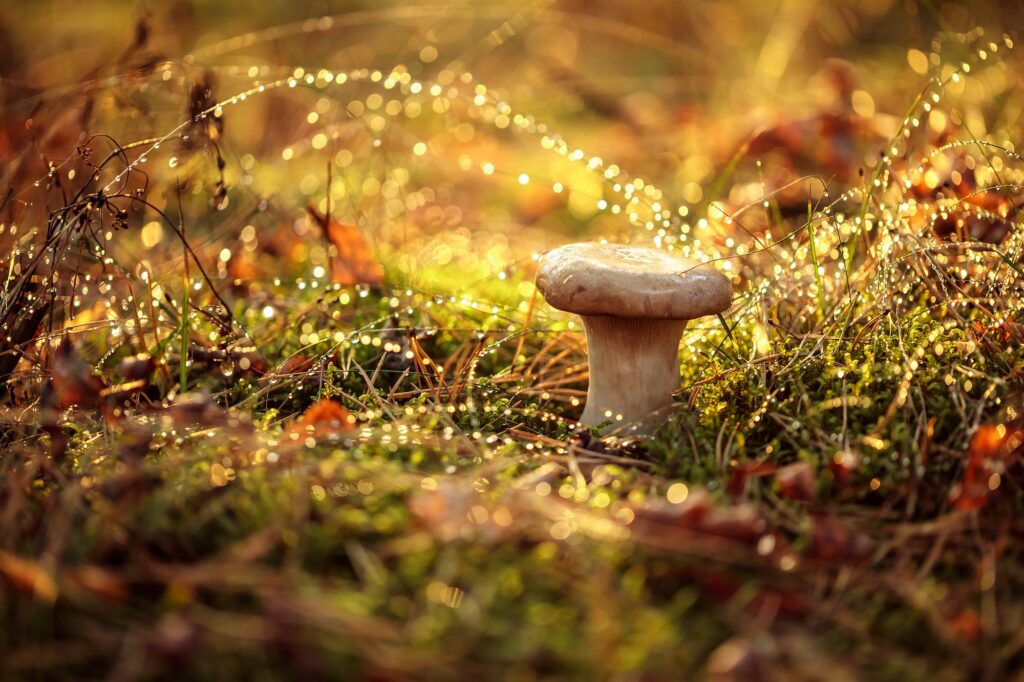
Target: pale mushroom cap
630, 281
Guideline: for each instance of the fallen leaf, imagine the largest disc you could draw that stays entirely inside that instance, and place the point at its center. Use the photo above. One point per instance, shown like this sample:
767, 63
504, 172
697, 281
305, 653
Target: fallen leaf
741, 522
796, 481
74, 383
965, 625
174, 638
353, 262
296, 364
832, 540
137, 367
843, 465
28, 576
689, 514
322, 419
992, 448
438, 508
738, 659
123, 391
741, 472
196, 409
98, 581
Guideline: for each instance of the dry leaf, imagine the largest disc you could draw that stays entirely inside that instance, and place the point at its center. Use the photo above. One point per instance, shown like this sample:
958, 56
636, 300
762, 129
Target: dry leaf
98, 581
137, 367
196, 409
843, 465
796, 481
992, 448
832, 540
354, 262
738, 659
966, 625
74, 382
296, 364
28, 576
741, 472
324, 418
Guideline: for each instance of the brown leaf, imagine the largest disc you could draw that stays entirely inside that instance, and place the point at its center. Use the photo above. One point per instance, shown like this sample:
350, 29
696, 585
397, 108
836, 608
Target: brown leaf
174, 638
722, 585
131, 485
248, 359
296, 364
689, 514
796, 481
123, 391
98, 581
137, 367
354, 262
196, 409
447, 504
741, 472
832, 540
699, 514
1008, 331
74, 382
843, 465
741, 522
28, 576
450, 509
545, 473
738, 659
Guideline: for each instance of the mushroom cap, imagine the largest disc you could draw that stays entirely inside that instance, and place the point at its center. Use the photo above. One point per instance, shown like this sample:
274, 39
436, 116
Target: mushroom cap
631, 281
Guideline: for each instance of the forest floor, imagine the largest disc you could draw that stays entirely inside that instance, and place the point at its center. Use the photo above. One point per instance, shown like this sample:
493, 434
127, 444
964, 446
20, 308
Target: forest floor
325, 460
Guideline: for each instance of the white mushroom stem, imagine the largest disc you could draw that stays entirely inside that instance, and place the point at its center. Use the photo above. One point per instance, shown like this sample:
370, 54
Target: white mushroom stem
634, 368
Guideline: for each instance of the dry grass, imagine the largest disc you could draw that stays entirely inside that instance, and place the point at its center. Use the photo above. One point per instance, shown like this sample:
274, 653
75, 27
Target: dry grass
243, 438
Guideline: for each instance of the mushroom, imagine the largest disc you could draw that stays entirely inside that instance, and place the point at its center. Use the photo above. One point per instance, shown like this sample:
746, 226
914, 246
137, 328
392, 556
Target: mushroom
634, 303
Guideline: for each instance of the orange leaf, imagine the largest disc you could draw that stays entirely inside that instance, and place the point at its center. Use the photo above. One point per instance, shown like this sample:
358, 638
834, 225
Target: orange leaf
987, 440
28, 576
965, 625
354, 262
991, 448
323, 418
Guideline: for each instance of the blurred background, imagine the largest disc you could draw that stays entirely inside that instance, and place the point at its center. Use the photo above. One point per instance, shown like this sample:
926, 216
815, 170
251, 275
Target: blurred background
543, 109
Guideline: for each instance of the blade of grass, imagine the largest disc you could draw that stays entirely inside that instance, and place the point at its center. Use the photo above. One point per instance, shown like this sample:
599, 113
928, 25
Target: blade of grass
814, 259
183, 367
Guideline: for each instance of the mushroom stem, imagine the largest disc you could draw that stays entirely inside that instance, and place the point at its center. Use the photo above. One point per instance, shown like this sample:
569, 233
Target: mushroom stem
634, 368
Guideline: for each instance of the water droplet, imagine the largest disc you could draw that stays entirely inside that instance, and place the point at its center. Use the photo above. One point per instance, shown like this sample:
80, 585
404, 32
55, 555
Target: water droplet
173, 162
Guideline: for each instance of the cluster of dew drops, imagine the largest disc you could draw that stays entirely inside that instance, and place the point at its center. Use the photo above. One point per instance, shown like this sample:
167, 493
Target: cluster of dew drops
799, 267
